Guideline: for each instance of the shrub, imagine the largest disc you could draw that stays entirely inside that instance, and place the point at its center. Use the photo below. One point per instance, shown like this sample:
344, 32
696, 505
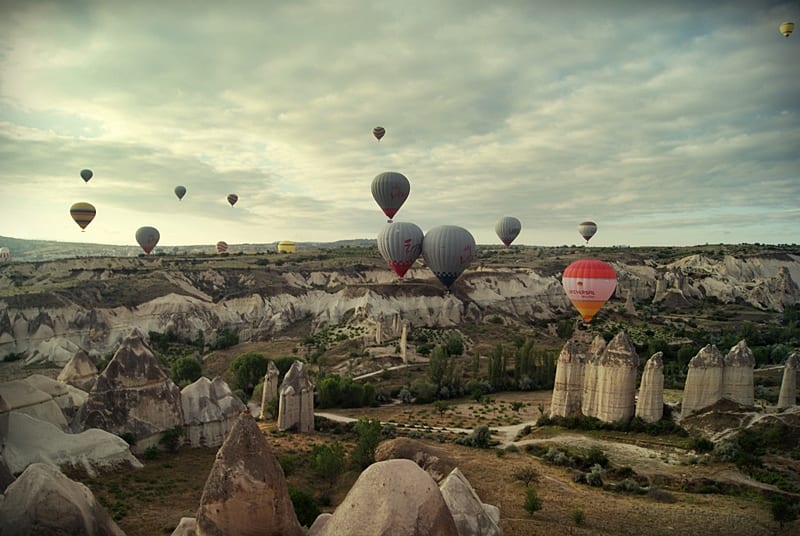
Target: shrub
783, 510
701, 444
288, 463
595, 476
578, 517
171, 439
660, 495
185, 369
248, 370
526, 475
150, 453
225, 339
596, 457
328, 461
532, 501
629, 486
305, 507
369, 435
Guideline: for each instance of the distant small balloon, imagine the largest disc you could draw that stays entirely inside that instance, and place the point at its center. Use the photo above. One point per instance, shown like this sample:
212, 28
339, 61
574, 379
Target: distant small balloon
82, 213
390, 190
232, 199
222, 246
587, 229
147, 237
507, 229
379, 132
86, 174
180, 191
448, 250
5, 255
589, 283
400, 244
786, 28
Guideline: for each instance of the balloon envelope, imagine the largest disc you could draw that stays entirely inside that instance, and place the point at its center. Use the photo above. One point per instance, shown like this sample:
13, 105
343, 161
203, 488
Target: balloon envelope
232, 199
86, 174
378, 132
589, 283
448, 250
5, 255
508, 228
180, 191
147, 237
587, 229
400, 244
222, 246
390, 190
82, 213
786, 28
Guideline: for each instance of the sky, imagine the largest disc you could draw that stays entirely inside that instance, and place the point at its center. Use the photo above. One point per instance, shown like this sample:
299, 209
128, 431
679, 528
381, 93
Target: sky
666, 123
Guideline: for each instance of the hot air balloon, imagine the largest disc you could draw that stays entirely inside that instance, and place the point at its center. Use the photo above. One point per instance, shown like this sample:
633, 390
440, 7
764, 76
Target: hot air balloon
82, 213
232, 199
379, 132
390, 190
222, 246
147, 237
507, 228
786, 28
589, 283
86, 174
448, 250
587, 229
180, 191
5, 255
400, 244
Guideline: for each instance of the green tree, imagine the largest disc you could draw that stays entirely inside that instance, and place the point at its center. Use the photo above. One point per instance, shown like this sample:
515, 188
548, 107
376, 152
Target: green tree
438, 367
185, 369
454, 345
532, 501
328, 461
369, 435
441, 406
248, 370
305, 507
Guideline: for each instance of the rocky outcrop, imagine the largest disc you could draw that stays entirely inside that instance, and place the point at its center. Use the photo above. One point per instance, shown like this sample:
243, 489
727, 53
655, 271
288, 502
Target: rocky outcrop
737, 375
44, 501
410, 504
28, 440
269, 391
616, 380
67, 397
209, 410
133, 395
472, 517
568, 387
296, 400
246, 492
21, 396
6, 477
788, 394
436, 461
650, 403
589, 394
703, 385
80, 371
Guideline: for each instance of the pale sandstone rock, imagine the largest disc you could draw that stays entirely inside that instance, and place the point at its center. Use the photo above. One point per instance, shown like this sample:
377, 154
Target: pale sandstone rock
788, 395
589, 395
568, 387
269, 391
616, 380
316, 527
650, 405
392, 498
23, 397
469, 513
209, 410
186, 527
44, 501
703, 385
246, 492
436, 461
6, 477
737, 375
296, 400
68, 398
80, 371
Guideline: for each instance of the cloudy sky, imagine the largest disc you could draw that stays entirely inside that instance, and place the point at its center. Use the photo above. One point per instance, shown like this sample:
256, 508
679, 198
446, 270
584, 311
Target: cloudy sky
667, 123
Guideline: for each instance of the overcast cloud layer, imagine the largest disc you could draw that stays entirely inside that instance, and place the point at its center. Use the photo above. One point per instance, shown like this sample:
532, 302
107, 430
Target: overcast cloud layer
674, 123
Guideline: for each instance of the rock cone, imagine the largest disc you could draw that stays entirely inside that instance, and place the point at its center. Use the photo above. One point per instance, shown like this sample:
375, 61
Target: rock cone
616, 380
788, 396
650, 405
703, 385
737, 375
568, 387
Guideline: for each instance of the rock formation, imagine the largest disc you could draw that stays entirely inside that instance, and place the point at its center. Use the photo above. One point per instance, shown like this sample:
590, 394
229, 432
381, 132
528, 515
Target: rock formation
703, 385
472, 517
67, 397
616, 380
568, 387
44, 501
80, 371
6, 477
393, 497
650, 404
404, 343
269, 391
589, 396
23, 397
187, 526
737, 375
436, 461
246, 492
133, 395
209, 410
788, 396
296, 400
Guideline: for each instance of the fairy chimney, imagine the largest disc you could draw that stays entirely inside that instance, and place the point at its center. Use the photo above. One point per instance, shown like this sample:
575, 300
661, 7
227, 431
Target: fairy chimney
650, 405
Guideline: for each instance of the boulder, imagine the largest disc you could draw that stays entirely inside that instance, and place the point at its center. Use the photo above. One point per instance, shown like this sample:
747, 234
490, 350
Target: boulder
56, 350
703, 385
80, 371
186, 527
436, 461
650, 404
589, 395
737, 375
316, 526
23, 397
392, 498
6, 477
133, 395
471, 516
209, 410
269, 391
568, 387
616, 380
246, 492
788, 395
68, 398
44, 501
296, 401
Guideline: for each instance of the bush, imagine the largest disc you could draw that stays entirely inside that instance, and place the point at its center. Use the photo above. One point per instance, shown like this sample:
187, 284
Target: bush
701, 444
328, 461
305, 507
629, 486
171, 439
150, 453
288, 463
185, 369
578, 517
225, 339
369, 435
660, 495
526, 475
248, 370
532, 501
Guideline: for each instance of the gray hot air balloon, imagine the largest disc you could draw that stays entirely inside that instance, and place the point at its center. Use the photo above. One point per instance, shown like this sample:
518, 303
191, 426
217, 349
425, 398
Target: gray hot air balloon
86, 174
587, 229
148, 238
507, 228
448, 250
400, 244
390, 190
180, 191
5, 255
